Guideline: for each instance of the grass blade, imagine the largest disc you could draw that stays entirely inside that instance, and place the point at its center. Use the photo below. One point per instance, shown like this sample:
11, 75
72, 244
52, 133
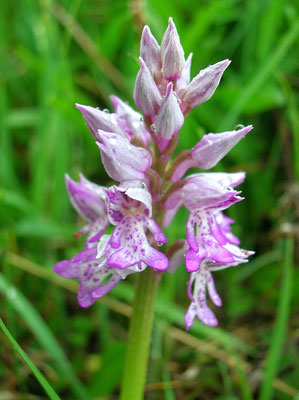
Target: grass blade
42, 380
280, 327
42, 333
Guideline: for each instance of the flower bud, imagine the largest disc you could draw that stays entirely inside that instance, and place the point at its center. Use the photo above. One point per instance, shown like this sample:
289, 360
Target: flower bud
170, 117
96, 119
203, 86
209, 151
146, 93
150, 52
132, 120
214, 146
172, 53
122, 160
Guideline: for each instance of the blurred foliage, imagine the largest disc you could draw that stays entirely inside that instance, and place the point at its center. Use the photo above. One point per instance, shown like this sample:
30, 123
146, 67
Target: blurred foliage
57, 53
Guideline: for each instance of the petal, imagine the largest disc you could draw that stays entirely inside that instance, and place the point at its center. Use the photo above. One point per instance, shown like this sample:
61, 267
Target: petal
156, 260
199, 305
228, 180
88, 201
159, 236
107, 287
84, 297
225, 223
193, 260
91, 283
169, 215
143, 196
67, 269
190, 315
212, 291
202, 192
217, 231
207, 316
190, 234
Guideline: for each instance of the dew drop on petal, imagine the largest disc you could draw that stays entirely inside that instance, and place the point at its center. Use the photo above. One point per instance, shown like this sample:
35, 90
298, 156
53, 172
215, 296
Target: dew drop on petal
159, 244
106, 111
141, 119
153, 128
239, 127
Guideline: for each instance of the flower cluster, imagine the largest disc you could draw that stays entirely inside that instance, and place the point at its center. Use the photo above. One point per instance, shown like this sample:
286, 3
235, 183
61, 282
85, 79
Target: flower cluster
136, 150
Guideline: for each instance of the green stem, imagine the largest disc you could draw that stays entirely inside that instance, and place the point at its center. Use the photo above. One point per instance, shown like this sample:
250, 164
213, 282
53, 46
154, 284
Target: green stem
139, 336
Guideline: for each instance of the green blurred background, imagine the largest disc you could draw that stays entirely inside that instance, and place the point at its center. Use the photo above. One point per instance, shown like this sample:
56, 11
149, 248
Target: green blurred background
54, 54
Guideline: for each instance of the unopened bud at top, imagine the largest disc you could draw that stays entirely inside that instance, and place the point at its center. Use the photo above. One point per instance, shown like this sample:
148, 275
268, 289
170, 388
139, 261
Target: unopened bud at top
146, 93
172, 53
150, 52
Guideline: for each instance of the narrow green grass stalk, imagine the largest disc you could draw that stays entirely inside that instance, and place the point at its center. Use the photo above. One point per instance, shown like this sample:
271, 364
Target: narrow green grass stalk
43, 334
139, 336
279, 331
42, 380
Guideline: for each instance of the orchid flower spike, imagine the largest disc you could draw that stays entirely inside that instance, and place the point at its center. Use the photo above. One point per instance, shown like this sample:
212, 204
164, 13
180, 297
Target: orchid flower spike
123, 221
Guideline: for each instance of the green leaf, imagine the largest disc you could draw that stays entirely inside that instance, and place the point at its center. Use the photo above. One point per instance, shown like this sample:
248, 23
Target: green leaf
278, 333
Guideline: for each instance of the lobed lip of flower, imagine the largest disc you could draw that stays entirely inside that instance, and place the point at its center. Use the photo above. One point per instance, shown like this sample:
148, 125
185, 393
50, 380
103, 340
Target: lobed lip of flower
202, 282
130, 212
90, 268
